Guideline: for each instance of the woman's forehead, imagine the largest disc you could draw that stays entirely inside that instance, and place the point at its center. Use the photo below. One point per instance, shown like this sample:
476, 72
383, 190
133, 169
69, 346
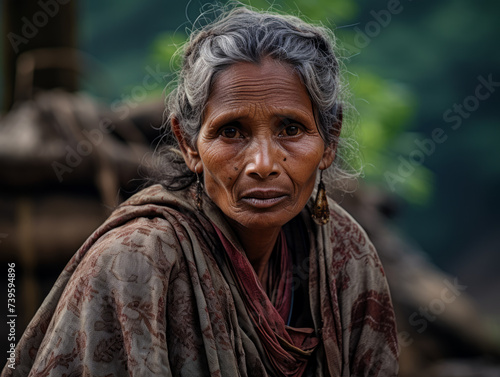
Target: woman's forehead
270, 82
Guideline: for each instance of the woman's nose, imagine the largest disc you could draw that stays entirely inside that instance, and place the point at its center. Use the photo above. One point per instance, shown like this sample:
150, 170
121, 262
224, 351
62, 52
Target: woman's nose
262, 161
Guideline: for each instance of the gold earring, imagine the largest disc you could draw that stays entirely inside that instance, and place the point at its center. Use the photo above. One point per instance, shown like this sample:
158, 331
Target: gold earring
320, 211
199, 191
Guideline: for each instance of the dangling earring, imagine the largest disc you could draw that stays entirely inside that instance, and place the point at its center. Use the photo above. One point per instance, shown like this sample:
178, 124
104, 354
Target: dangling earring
199, 191
320, 211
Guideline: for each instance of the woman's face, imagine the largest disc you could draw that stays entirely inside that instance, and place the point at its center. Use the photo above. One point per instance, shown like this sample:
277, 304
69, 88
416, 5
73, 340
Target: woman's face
259, 148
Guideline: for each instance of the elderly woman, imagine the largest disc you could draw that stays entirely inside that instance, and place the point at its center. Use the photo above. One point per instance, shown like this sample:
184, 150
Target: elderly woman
229, 267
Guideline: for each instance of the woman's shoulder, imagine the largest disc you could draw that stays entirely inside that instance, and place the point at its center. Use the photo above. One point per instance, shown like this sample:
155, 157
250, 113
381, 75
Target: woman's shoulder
351, 248
344, 227
140, 241
151, 227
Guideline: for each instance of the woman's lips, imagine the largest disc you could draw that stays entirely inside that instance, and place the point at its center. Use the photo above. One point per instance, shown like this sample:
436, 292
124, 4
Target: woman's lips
263, 198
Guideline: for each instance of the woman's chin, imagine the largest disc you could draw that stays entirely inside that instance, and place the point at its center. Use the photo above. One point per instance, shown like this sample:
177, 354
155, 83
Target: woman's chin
262, 220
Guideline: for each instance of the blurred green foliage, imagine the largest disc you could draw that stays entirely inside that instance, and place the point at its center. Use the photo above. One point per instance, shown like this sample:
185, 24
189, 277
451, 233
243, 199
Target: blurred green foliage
385, 111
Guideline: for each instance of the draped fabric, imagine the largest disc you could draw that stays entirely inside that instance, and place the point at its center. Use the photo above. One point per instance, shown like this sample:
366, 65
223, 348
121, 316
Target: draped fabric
154, 292
287, 348
278, 284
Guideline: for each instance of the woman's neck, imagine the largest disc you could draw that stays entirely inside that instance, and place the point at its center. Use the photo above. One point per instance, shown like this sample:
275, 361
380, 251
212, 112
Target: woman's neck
258, 246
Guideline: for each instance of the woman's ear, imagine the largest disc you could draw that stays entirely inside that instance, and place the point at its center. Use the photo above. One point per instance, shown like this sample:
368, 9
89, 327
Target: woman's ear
328, 157
191, 155
331, 150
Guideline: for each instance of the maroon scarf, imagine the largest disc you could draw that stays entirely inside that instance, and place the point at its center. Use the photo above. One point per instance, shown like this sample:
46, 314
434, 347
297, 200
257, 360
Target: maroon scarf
288, 348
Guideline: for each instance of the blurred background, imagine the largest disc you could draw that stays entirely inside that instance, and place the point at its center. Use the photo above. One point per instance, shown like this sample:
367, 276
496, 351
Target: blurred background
81, 94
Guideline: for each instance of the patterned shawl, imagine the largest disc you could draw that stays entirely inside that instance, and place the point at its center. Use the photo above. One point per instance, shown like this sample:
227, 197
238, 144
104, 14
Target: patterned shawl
151, 293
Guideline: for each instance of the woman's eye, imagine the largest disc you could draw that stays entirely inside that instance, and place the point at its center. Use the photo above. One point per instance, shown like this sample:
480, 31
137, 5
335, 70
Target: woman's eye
291, 130
230, 132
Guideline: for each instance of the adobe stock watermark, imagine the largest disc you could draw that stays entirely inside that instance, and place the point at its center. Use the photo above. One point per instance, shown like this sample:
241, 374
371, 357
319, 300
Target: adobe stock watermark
39, 19
380, 20
92, 138
426, 147
437, 306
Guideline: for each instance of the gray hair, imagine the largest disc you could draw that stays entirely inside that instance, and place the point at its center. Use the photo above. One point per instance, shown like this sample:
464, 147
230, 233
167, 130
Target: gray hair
245, 35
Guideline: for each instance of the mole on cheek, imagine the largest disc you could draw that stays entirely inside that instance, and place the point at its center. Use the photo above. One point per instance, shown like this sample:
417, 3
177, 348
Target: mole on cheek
284, 159
235, 168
